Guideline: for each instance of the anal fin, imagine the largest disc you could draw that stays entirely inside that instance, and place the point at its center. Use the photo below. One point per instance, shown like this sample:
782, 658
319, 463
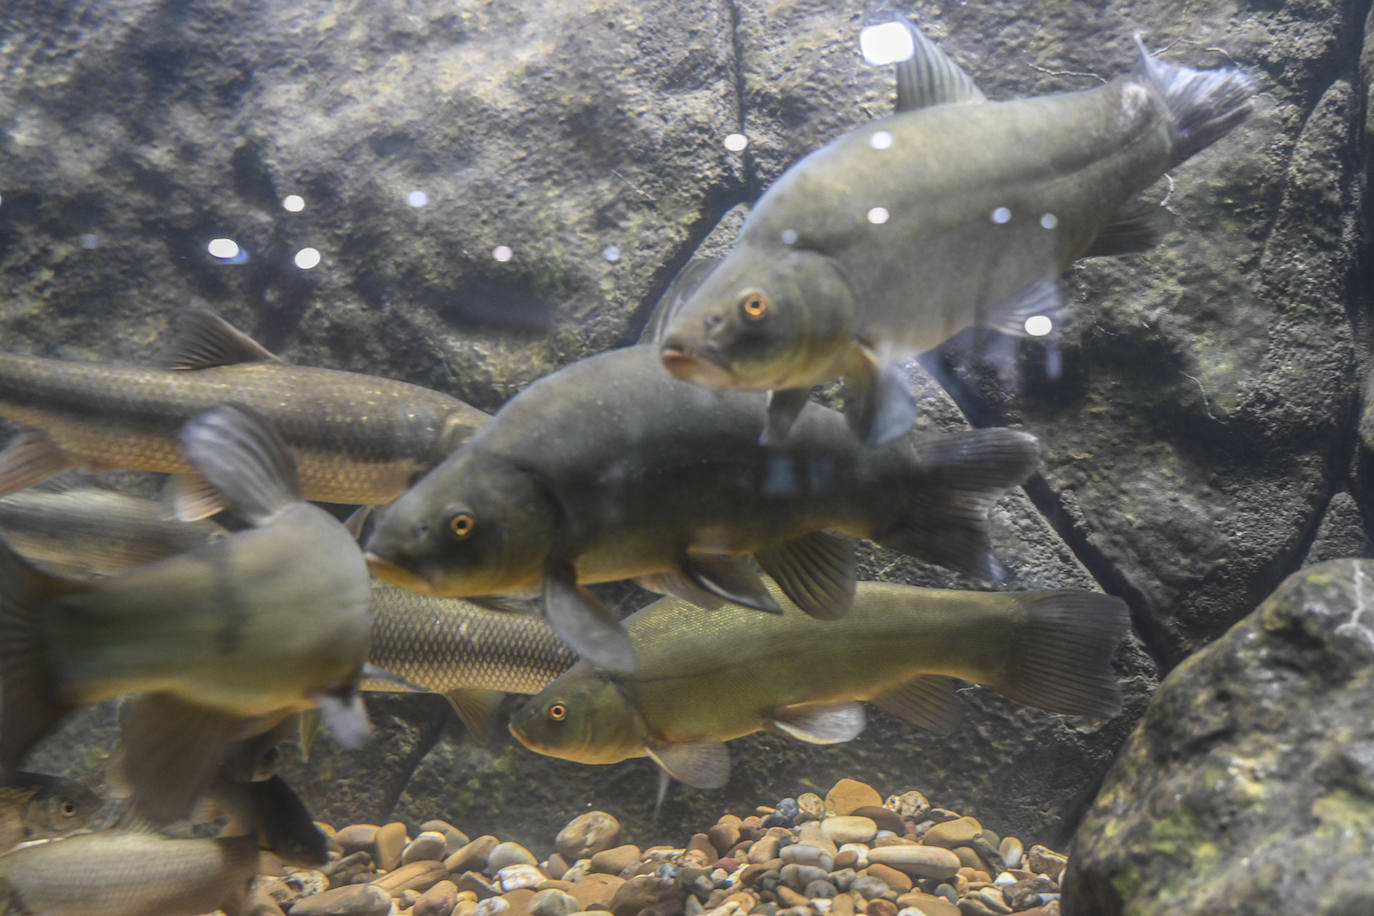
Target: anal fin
927, 701
30, 458
729, 578
1042, 299
816, 571
190, 498
679, 586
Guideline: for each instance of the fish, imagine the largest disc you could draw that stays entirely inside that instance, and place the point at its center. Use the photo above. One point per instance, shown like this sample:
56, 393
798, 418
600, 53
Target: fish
356, 439
953, 212
87, 530
705, 679
34, 806
470, 653
219, 643
612, 469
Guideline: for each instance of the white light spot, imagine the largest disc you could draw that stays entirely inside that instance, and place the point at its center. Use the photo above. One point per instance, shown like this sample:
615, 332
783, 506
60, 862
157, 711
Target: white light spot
417, 198
878, 215
293, 203
307, 258
1001, 215
611, 253
90, 241
789, 236
881, 139
226, 249
888, 43
736, 143
1039, 325
1049, 221
502, 253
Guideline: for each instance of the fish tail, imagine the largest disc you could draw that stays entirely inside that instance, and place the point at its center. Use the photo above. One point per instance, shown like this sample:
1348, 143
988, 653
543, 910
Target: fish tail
1205, 104
957, 479
27, 680
1061, 659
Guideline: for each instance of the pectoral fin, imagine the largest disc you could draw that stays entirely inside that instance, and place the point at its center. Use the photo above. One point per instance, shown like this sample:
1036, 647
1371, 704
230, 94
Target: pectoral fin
1042, 299
927, 701
784, 406
821, 723
30, 458
476, 708
878, 402
702, 763
729, 578
929, 77
816, 571
244, 458
203, 339
584, 623
190, 498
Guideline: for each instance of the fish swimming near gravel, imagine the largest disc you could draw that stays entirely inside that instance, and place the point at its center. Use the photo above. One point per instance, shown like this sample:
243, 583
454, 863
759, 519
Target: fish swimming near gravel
34, 806
705, 678
220, 643
612, 469
356, 438
471, 654
954, 212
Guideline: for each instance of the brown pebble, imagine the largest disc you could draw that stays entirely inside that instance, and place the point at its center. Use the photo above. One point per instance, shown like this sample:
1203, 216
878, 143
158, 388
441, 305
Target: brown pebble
1045, 861
894, 878
616, 860
356, 838
640, 893
846, 858
473, 855
880, 907
586, 835
454, 839
929, 905
439, 900
387, 844
555, 866
885, 818
723, 837
958, 832
257, 902
811, 805
848, 794
750, 827
476, 883
843, 905
595, 889
751, 874
974, 875
893, 841
917, 861
967, 857
700, 851
519, 901
764, 848
428, 845
419, 876
789, 897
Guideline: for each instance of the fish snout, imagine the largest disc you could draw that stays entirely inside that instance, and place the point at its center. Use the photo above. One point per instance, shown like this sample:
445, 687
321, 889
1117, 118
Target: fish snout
395, 574
677, 360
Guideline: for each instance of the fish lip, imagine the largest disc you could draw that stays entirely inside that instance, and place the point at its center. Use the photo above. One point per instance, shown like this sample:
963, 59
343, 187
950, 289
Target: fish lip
702, 365
395, 574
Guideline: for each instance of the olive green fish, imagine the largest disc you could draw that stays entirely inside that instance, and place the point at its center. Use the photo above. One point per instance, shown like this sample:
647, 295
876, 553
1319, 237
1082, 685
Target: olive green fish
469, 653
93, 531
954, 212
355, 438
221, 642
704, 679
612, 469
34, 806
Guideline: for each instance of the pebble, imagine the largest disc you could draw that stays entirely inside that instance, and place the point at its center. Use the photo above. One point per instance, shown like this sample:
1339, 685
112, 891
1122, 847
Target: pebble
804, 854
454, 839
884, 818
521, 874
473, 855
1011, 851
917, 861
724, 835
554, 902
417, 876
852, 855
616, 860
850, 828
586, 835
957, 832
387, 844
430, 844
869, 887
1046, 861
503, 854
492, 906
595, 889
928, 905
784, 815
439, 900
910, 805
811, 804
475, 883
848, 794
894, 878
763, 849
641, 893
880, 907
356, 838
355, 900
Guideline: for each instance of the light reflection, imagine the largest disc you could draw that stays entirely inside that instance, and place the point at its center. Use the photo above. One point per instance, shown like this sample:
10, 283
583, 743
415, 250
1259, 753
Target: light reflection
789, 236
1039, 325
736, 143
878, 215
307, 258
888, 43
1049, 221
881, 139
611, 253
90, 241
1001, 215
224, 249
417, 198
293, 203
502, 253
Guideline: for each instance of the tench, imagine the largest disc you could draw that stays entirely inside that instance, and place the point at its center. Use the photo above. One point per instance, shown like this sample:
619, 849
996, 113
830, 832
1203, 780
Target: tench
34, 806
704, 679
355, 438
954, 211
612, 469
93, 531
221, 642
469, 653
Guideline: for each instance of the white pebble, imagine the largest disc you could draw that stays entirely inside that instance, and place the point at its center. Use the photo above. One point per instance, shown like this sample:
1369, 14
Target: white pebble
492, 906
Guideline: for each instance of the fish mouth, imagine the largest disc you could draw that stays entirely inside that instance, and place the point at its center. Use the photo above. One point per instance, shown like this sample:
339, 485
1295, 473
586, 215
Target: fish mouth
701, 365
393, 574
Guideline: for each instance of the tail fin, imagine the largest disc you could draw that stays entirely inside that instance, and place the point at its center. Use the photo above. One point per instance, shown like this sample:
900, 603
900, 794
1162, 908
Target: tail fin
960, 477
1205, 104
1062, 658
28, 682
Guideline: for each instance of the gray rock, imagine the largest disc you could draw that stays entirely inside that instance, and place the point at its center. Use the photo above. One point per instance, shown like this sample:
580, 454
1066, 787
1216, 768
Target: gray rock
1249, 784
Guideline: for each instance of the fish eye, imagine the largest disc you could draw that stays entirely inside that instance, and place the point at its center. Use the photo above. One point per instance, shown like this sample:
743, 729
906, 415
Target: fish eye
754, 306
558, 712
460, 525
68, 807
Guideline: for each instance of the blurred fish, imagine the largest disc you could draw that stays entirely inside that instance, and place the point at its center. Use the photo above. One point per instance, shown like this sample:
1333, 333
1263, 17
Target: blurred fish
704, 679
953, 212
37, 807
612, 469
92, 531
469, 653
355, 438
220, 642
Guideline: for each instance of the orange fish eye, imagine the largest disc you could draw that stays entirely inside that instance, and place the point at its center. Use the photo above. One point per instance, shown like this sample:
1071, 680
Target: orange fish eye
754, 305
460, 525
558, 712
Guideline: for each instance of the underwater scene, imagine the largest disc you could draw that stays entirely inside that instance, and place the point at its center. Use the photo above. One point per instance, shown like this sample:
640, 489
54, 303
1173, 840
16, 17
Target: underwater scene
809, 458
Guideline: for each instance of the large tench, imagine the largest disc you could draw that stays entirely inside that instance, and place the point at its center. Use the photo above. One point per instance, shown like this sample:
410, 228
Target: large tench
221, 642
34, 806
953, 212
705, 678
612, 469
469, 653
355, 438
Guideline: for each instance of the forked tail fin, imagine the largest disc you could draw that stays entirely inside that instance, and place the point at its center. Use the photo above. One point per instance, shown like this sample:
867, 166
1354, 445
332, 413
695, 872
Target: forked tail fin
1205, 104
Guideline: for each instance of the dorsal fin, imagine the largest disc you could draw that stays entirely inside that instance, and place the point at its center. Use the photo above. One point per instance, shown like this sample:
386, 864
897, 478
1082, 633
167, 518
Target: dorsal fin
203, 340
929, 77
